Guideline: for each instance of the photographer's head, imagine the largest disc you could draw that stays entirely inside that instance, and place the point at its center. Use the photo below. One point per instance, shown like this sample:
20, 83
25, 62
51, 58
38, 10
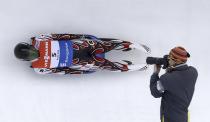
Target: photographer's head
177, 55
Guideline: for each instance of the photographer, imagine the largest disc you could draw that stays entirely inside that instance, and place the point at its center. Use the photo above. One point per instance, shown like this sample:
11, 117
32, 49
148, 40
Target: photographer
176, 86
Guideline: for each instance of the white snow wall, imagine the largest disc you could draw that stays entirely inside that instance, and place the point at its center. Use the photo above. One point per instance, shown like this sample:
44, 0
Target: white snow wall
110, 97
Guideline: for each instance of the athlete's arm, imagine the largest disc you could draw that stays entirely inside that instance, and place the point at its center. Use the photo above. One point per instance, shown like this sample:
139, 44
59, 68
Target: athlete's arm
72, 36
61, 71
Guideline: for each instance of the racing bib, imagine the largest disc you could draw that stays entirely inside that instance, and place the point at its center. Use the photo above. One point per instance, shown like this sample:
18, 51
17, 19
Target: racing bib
54, 54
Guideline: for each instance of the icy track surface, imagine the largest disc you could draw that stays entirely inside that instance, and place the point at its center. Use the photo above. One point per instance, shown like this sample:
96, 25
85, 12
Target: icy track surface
109, 97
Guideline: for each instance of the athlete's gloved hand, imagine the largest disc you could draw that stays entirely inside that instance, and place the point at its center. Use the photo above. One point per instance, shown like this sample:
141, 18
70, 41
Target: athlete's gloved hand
157, 69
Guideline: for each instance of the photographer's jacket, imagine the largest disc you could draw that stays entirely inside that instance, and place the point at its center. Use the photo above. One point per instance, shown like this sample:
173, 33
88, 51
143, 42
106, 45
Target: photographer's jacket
178, 91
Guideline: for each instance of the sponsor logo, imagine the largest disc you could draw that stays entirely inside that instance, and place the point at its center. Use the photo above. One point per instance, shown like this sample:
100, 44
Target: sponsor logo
54, 54
63, 64
46, 56
67, 52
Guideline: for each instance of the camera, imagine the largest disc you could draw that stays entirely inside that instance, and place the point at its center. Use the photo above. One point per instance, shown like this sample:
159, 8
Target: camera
159, 61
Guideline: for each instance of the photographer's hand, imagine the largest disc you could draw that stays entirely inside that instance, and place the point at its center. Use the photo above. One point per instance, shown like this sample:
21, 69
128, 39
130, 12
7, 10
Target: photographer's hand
157, 68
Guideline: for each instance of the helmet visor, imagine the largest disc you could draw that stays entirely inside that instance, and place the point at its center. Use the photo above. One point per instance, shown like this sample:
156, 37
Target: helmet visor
32, 54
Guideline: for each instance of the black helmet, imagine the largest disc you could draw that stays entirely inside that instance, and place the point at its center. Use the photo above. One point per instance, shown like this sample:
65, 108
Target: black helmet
26, 52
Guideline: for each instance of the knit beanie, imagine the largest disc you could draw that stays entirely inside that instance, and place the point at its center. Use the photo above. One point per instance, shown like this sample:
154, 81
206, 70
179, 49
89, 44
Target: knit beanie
179, 54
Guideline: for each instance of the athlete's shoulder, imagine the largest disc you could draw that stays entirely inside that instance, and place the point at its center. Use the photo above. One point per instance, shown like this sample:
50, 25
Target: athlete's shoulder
35, 41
